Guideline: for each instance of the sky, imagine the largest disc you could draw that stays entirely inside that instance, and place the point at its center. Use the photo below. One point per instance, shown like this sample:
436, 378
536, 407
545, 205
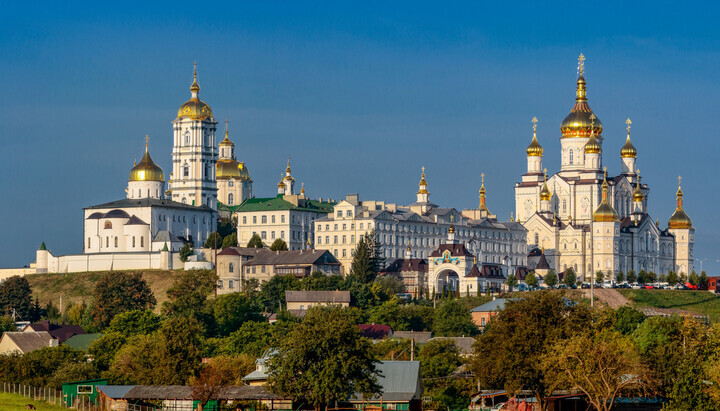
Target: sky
360, 95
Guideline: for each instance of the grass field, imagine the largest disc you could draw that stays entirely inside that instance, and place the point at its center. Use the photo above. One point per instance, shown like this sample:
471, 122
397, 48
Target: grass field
701, 302
78, 287
15, 402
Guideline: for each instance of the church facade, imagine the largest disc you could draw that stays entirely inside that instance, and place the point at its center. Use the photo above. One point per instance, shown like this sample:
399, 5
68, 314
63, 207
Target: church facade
588, 221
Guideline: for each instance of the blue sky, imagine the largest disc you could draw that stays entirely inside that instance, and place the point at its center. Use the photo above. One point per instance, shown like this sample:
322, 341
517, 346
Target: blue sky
359, 94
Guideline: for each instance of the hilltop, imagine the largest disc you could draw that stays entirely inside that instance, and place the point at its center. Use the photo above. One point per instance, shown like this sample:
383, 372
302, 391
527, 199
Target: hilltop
78, 287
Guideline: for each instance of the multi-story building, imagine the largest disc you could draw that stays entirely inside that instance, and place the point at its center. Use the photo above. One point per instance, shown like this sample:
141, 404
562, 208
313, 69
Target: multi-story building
421, 226
586, 221
288, 216
233, 177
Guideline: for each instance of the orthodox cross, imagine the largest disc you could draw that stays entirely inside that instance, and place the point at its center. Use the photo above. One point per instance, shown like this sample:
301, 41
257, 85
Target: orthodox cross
628, 122
534, 121
581, 64
147, 139
592, 122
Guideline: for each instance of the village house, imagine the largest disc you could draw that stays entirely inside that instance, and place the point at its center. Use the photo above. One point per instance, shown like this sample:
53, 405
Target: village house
23, 342
298, 302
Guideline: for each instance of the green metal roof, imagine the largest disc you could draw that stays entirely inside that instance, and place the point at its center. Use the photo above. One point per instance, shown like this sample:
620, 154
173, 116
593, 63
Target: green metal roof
278, 203
82, 342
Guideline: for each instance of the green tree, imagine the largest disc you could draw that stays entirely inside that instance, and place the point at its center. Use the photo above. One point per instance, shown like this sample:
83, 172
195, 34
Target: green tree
104, 349
703, 283
36, 367
570, 278
393, 349
531, 279
188, 294
232, 310
600, 277
528, 328
551, 278
511, 281
118, 292
73, 371
272, 291
135, 322
630, 276
627, 319
279, 245
230, 240
7, 324
601, 365
694, 278
211, 240
439, 358
15, 294
252, 338
220, 372
620, 277
453, 319
362, 266
643, 277
672, 278
335, 363
390, 313
185, 252
255, 242
390, 285
318, 281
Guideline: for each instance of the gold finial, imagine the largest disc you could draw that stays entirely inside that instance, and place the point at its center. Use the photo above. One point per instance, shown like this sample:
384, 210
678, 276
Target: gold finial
195, 69
679, 181
287, 170
302, 188
534, 121
628, 122
452, 218
637, 172
195, 87
147, 139
482, 178
581, 65
423, 171
226, 125
511, 216
592, 123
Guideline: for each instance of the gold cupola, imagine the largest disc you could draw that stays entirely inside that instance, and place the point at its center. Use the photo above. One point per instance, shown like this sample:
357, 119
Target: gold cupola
679, 218
628, 150
578, 123
605, 213
146, 169
638, 195
593, 145
194, 108
422, 185
534, 149
483, 192
545, 194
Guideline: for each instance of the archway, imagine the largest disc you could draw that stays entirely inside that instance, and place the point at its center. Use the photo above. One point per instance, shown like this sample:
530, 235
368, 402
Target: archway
447, 280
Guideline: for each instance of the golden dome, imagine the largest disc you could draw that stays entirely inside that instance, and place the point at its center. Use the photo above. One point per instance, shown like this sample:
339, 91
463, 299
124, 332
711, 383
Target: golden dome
578, 123
146, 170
451, 230
422, 184
194, 108
227, 168
679, 218
638, 194
545, 193
535, 149
593, 146
628, 150
226, 141
605, 213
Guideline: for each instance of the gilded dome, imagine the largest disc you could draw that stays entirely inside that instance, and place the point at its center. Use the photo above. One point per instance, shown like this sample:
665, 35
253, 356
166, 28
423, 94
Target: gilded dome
680, 219
423, 183
227, 168
638, 194
146, 170
578, 123
226, 141
535, 149
593, 146
545, 193
194, 108
628, 150
605, 213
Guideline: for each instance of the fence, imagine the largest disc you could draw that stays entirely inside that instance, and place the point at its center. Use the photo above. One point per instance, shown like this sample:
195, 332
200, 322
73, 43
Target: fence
48, 395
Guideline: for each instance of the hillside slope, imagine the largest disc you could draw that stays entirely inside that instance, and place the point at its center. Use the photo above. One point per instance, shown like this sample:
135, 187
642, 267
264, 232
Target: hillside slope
78, 287
700, 302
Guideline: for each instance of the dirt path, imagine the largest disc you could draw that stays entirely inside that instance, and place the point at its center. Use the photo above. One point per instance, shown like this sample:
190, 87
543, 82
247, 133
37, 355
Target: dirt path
609, 296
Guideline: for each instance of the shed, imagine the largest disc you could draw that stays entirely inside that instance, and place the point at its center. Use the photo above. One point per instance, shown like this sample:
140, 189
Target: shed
400, 388
76, 389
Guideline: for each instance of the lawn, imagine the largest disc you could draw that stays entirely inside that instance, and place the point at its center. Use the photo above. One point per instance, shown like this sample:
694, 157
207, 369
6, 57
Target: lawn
701, 302
15, 402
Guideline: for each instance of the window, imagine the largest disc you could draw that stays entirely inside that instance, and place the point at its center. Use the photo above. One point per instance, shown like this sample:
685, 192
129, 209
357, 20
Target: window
319, 239
352, 239
244, 219
186, 171
571, 156
230, 183
230, 268
230, 199
84, 389
537, 238
263, 219
107, 242
263, 234
231, 284
348, 213
361, 225
344, 239
282, 234
133, 241
327, 239
116, 242
335, 240
220, 284
88, 242
339, 213
344, 226
272, 235
282, 218
344, 252
254, 219
262, 268
272, 218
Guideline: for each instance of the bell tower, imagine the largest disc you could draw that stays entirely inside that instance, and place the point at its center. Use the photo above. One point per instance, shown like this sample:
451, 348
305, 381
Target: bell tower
194, 152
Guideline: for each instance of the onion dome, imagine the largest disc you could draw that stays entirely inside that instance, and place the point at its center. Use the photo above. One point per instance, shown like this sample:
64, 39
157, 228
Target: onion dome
226, 141
605, 213
227, 168
593, 146
482, 191
545, 193
281, 184
146, 169
422, 185
638, 194
451, 230
679, 218
578, 122
302, 191
628, 150
194, 108
534, 149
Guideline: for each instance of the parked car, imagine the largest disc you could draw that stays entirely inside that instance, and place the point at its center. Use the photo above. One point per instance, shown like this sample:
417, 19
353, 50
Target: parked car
648, 287
585, 285
636, 286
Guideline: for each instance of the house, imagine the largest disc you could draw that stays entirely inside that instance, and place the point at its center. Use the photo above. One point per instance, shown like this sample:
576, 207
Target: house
400, 388
411, 271
375, 331
23, 342
299, 263
714, 284
464, 344
481, 314
260, 375
420, 337
298, 302
230, 262
61, 332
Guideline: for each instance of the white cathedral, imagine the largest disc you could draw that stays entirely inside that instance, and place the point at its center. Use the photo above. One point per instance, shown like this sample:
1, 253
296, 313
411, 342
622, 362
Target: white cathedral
582, 219
143, 229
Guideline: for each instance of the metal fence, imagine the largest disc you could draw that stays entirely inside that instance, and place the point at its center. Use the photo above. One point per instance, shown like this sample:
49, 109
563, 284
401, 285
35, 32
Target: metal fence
48, 395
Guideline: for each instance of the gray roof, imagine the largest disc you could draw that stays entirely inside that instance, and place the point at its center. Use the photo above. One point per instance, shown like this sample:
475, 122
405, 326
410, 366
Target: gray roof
159, 392
399, 381
149, 202
494, 305
166, 236
317, 296
114, 391
294, 257
27, 341
135, 220
465, 344
421, 337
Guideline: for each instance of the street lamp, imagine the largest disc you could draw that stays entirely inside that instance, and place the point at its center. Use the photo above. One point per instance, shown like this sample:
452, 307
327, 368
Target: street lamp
701, 262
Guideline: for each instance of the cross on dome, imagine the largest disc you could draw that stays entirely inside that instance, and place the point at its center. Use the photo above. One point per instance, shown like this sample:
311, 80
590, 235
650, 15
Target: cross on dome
581, 64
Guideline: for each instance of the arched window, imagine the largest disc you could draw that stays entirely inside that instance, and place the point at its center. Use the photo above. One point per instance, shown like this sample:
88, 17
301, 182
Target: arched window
142, 241
107, 242
186, 170
133, 241
537, 238
230, 199
230, 267
88, 242
564, 206
184, 200
571, 156
116, 242
187, 137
